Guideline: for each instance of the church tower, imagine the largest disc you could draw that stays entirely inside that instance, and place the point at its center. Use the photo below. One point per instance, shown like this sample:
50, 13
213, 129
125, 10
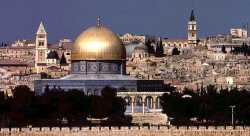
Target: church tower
41, 48
192, 30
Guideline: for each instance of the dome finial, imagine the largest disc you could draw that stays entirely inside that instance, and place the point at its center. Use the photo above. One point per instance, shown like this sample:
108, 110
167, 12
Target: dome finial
98, 21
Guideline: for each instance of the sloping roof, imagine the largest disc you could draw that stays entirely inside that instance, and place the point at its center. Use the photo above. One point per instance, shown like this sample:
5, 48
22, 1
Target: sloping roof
52, 55
41, 29
192, 16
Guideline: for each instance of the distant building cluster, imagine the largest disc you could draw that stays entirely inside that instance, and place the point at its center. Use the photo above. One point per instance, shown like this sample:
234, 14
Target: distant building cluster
24, 61
202, 61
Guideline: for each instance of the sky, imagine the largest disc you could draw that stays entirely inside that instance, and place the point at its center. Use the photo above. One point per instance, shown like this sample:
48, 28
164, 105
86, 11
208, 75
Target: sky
19, 19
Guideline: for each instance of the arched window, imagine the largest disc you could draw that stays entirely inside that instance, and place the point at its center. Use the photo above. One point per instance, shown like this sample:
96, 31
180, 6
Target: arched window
158, 103
148, 103
138, 104
128, 100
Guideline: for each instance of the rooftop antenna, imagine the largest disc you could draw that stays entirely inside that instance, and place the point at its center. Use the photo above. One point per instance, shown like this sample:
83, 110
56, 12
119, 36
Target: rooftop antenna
98, 21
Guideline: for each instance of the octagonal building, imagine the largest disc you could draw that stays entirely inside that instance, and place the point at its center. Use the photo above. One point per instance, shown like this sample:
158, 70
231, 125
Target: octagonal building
98, 59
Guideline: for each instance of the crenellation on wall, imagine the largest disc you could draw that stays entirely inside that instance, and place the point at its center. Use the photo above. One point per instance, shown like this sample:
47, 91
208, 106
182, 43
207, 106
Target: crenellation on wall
94, 128
25, 129
85, 128
125, 128
134, 128
55, 129
115, 128
4, 129
105, 128
75, 129
183, 128
130, 131
163, 127
46, 129
66, 129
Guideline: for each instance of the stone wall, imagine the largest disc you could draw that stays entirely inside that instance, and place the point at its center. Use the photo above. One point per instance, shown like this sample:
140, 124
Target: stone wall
128, 131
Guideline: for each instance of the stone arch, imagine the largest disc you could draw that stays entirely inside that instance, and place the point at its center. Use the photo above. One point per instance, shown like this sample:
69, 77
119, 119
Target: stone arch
138, 104
158, 102
128, 100
149, 102
89, 92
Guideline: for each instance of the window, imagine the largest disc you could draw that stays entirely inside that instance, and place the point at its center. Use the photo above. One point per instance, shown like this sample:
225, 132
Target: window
192, 27
41, 36
193, 34
41, 43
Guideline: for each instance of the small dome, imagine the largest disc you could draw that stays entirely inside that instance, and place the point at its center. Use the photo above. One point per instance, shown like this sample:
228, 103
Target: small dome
98, 43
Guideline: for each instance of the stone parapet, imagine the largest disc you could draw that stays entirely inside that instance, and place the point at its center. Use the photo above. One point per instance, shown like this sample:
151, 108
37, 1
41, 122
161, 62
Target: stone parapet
130, 131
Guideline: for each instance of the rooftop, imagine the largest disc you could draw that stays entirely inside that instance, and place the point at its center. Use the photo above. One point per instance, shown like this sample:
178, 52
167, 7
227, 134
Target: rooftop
98, 77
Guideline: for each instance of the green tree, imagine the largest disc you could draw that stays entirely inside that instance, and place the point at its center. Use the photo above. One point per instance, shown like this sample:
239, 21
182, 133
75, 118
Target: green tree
223, 49
63, 60
159, 52
22, 108
175, 51
150, 48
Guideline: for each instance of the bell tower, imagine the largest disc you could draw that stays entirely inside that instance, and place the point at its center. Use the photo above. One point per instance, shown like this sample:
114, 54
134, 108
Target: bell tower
192, 30
41, 47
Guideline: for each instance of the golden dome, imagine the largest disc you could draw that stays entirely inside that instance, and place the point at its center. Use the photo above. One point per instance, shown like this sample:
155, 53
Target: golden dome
98, 43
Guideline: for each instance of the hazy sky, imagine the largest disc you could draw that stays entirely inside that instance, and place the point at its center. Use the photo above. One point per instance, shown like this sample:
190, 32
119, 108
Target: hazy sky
167, 18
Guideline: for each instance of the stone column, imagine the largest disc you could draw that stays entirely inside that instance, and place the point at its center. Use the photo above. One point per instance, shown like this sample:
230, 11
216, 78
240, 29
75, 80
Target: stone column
143, 104
154, 103
132, 104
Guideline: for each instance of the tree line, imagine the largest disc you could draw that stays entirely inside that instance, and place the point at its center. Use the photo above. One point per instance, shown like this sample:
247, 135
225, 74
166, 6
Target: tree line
57, 107
243, 49
158, 50
209, 106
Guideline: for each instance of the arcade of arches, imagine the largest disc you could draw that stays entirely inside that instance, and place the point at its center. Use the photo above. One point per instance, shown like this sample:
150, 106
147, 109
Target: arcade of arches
142, 102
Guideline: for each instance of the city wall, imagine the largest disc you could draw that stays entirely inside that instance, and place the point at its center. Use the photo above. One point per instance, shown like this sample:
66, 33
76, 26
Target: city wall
128, 131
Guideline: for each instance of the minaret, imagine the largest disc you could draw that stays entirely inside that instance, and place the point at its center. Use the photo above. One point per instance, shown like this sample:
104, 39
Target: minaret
192, 30
41, 47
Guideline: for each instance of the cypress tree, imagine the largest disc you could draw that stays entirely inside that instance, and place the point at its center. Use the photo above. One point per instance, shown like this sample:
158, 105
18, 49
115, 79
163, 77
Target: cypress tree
63, 60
